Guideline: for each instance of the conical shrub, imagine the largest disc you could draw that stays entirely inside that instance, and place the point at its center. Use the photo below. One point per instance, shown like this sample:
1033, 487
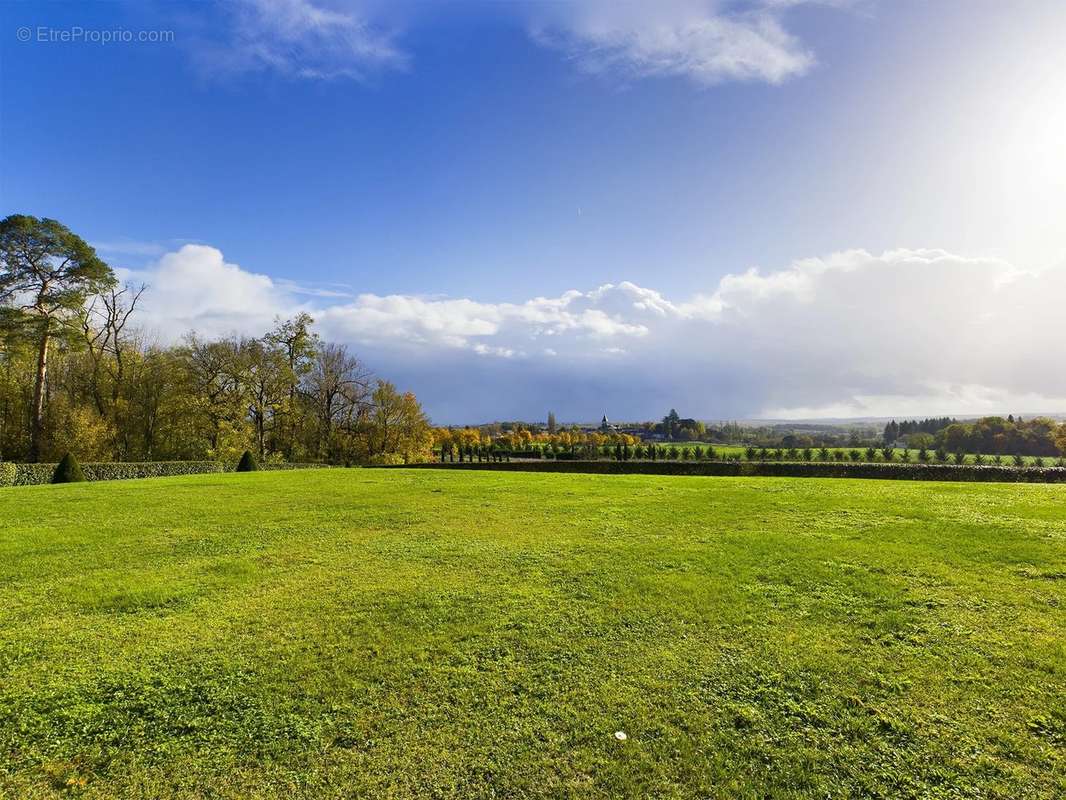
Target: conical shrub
68, 470
247, 462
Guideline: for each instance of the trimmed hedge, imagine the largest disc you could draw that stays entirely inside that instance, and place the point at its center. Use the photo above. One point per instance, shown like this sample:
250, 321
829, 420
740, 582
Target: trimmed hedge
283, 465
781, 469
68, 470
34, 474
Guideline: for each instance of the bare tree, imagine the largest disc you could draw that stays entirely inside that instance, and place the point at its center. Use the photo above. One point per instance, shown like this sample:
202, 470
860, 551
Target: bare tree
339, 387
103, 321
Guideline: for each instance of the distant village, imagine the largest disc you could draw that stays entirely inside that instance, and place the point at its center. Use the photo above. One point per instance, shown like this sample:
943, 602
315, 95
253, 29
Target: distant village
672, 427
649, 431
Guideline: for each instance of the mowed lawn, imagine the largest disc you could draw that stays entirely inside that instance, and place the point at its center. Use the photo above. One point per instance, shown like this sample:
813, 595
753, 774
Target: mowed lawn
405, 633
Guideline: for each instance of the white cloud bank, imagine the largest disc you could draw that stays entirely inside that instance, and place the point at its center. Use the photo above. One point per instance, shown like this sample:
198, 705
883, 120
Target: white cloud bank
306, 39
707, 41
852, 334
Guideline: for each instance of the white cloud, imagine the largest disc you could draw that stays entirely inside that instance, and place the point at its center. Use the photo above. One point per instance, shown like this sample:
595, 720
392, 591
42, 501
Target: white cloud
851, 334
195, 289
707, 41
466, 323
309, 39
943, 399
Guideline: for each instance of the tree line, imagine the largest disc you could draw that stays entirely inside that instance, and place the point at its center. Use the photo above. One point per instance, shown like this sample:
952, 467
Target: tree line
77, 375
1039, 436
520, 438
458, 450
945, 436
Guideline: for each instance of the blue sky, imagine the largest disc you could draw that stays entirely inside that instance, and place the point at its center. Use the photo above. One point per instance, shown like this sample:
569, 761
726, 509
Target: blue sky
418, 175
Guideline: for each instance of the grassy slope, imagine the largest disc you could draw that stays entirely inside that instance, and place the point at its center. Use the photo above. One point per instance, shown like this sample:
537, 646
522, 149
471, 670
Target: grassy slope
394, 633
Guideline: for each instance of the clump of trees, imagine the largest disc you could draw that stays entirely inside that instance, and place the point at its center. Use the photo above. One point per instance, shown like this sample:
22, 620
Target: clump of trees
46, 274
517, 439
1039, 436
989, 436
675, 428
77, 375
910, 429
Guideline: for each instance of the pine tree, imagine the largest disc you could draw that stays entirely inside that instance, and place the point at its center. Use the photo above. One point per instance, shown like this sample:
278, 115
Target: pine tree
51, 271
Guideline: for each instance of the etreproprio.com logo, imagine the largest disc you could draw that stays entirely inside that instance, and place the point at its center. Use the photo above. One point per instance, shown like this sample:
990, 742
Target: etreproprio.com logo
79, 35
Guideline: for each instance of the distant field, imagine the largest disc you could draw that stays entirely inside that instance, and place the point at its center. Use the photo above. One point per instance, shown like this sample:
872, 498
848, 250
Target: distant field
405, 633
739, 450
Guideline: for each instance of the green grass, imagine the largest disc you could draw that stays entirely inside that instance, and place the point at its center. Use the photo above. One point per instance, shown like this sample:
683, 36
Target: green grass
404, 633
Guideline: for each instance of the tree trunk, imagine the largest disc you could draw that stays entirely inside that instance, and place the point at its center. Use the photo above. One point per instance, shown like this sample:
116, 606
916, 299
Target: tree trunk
37, 425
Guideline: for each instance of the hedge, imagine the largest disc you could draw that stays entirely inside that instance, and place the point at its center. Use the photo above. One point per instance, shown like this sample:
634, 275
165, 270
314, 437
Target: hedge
33, 474
68, 470
282, 465
783, 469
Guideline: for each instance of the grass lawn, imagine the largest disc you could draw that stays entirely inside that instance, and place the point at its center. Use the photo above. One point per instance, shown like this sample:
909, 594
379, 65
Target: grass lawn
404, 633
